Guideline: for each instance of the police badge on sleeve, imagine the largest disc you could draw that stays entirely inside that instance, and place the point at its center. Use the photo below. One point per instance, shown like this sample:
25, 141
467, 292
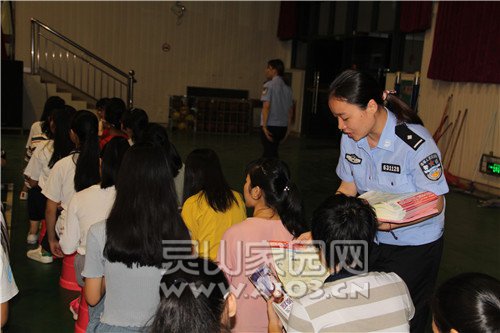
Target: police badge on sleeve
264, 91
353, 158
431, 166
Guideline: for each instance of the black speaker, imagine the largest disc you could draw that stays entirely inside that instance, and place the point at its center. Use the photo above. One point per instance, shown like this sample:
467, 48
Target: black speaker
12, 93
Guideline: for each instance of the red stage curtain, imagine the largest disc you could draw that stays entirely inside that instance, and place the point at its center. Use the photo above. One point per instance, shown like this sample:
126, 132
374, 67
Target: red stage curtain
288, 20
415, 16
466, 42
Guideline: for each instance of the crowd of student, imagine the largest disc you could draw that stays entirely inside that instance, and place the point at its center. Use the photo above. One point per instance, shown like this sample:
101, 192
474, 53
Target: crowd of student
164, 246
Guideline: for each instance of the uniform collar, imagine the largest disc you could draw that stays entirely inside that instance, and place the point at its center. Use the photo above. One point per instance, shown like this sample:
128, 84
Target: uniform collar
387, 137
277, 78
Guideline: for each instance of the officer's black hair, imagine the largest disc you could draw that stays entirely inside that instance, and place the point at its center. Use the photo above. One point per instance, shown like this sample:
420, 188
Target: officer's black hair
358, 88
277, 64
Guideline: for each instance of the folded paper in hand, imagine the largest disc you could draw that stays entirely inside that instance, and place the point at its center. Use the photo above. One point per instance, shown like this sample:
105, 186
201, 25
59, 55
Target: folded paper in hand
298, 267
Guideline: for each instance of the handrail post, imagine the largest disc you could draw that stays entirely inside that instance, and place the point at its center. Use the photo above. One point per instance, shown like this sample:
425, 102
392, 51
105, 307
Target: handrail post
32, 46
37, 59
130, 88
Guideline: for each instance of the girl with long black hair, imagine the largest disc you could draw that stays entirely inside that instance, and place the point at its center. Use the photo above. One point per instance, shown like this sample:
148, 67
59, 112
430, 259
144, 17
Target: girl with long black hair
127, 250
37, 172
40, 132
92, 204
113, 112
277, 216
211, 206
468, 302
71, 174
157, 135
134, 122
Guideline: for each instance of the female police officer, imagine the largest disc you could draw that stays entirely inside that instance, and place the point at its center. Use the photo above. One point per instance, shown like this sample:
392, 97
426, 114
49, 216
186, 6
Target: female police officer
389, 150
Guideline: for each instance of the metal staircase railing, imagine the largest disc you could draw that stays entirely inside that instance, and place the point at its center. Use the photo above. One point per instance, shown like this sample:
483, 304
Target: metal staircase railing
58, 56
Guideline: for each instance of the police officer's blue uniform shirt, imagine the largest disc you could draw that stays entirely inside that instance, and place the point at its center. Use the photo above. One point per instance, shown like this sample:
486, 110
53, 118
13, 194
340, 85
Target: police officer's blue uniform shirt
279, 95
396, 166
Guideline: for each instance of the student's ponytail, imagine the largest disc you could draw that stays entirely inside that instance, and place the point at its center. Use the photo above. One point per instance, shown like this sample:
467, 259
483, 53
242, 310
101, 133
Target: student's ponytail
281, 194
289, 208
62, 141
358, 88
85, 126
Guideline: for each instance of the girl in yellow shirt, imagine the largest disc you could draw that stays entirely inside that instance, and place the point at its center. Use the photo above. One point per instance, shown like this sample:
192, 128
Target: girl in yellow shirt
211, 206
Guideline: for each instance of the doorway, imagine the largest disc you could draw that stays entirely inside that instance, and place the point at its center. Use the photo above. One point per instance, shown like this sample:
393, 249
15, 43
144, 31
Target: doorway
324, 62
326, 58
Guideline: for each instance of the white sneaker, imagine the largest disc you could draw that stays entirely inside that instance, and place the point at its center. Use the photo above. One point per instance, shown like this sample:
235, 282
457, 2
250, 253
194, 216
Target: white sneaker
32, 239
40, 255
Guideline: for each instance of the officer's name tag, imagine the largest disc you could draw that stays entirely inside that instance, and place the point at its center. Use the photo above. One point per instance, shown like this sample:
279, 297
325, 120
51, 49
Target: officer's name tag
394, 168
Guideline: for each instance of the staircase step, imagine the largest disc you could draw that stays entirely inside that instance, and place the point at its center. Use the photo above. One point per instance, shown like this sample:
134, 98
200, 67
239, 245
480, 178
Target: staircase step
53, 90
78, 105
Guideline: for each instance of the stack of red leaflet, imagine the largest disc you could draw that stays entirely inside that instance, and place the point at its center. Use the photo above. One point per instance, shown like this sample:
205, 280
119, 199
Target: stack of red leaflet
402, 207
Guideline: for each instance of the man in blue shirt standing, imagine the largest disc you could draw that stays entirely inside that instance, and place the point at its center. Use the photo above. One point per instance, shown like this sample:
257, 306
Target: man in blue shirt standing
277, 108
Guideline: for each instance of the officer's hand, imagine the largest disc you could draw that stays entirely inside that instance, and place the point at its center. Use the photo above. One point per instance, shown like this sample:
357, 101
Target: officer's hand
286, 136
268, 134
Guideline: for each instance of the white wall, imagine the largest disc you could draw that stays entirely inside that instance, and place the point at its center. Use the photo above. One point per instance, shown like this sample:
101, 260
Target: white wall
218, 44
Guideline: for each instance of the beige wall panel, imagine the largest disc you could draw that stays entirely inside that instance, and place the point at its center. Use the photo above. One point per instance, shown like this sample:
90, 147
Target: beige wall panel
482, 101
216, 44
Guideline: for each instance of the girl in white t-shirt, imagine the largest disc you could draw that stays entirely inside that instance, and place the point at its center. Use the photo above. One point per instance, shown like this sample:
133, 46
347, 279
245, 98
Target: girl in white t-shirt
93, 204
71, 174
39, 133
8, 286
43, 159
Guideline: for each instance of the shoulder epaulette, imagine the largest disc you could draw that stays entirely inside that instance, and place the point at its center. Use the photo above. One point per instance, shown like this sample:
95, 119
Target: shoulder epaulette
411, 138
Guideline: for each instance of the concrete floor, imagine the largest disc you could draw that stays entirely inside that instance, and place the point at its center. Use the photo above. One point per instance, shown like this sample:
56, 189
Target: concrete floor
472, 235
